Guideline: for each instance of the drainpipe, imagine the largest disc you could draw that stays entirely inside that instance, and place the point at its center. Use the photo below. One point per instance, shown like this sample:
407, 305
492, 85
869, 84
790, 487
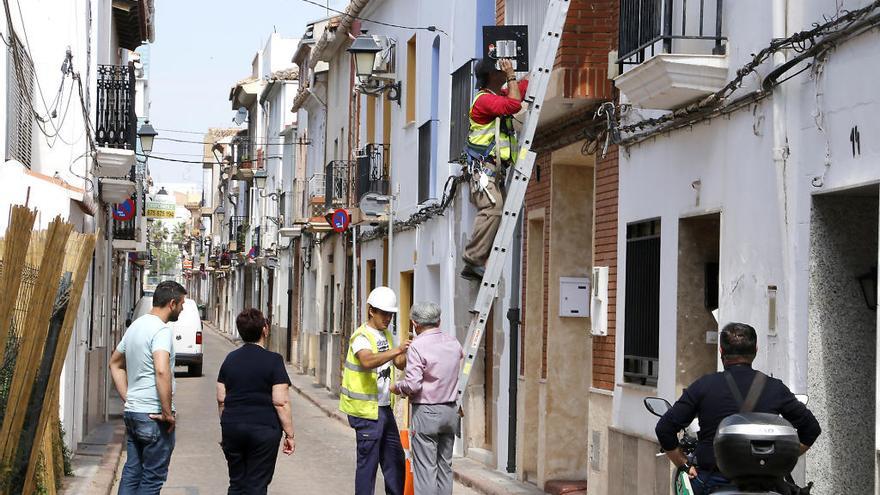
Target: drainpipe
513, 318
108, 306
780, 163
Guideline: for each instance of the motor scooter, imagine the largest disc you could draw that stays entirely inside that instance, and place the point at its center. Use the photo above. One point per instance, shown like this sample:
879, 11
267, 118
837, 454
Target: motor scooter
756, 451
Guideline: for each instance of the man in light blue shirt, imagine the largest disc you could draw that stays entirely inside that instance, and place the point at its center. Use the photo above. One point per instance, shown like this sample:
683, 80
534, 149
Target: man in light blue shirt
142, 367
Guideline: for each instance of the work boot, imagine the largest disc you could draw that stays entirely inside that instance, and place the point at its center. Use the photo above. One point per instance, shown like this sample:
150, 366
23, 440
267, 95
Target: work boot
473, 272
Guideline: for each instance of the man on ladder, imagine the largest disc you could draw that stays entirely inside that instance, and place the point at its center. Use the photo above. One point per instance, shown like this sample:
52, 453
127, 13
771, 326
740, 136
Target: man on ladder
491, 149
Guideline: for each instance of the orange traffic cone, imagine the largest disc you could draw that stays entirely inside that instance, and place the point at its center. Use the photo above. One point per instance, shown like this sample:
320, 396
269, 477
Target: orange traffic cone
408, 488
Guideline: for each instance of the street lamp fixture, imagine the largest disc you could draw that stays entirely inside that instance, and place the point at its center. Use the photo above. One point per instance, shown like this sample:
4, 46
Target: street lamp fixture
147, 134
364, 51
260, 177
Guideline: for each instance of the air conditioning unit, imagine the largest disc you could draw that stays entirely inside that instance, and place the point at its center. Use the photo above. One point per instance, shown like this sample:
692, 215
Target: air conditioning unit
385, 65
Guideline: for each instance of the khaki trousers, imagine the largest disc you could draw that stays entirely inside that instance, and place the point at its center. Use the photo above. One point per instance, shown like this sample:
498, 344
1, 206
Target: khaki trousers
488, 218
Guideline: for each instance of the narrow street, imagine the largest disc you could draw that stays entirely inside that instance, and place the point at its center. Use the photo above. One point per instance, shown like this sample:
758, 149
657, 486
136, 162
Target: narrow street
325, 455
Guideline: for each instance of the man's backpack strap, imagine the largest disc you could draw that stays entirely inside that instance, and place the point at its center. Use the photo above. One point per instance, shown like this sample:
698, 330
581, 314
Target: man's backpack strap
755, 390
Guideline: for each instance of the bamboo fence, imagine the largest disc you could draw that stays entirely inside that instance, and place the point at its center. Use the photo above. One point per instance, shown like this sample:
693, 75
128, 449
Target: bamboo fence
46, 272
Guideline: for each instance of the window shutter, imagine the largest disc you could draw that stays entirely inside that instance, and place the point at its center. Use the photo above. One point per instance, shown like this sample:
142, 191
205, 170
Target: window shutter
19, 102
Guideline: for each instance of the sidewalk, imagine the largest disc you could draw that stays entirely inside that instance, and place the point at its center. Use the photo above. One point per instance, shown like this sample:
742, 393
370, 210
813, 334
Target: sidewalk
468, 472
97, 460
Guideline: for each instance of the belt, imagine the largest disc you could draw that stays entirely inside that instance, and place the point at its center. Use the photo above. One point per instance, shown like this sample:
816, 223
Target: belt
450, 403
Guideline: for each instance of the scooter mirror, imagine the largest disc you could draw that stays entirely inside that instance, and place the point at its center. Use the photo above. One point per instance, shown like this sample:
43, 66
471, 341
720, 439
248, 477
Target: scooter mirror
657, 406
802, 398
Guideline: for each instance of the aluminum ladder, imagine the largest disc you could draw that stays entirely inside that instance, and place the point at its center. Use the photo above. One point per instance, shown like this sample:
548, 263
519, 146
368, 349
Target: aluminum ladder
542, 65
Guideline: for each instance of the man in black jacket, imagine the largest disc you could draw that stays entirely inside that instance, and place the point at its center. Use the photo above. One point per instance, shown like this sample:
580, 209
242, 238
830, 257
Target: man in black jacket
711, 399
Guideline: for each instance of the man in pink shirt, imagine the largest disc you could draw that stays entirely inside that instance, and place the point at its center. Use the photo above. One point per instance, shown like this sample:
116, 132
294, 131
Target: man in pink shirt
431, 383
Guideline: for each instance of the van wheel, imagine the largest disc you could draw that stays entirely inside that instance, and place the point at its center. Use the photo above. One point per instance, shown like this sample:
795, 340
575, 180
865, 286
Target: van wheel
195, 370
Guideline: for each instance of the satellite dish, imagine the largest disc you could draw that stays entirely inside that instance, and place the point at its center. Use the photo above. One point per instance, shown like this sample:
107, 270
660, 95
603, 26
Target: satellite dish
240, 115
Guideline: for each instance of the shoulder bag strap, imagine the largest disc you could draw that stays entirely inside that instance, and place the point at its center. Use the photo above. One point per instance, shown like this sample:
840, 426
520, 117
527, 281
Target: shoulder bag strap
755, 390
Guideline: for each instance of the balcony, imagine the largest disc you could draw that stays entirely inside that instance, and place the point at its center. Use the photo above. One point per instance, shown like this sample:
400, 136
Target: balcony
372, 171
115, 120
248, 157
336, 184
675, 49
238, 229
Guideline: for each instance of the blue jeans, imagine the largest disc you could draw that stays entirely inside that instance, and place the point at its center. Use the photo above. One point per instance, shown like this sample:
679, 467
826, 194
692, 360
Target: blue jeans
708, 481
378, 443
149, 446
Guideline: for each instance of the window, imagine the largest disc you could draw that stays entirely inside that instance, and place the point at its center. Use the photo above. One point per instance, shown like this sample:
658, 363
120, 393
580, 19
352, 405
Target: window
642, 314
411, 80
426, 152
370, 102
19, 102
459, 108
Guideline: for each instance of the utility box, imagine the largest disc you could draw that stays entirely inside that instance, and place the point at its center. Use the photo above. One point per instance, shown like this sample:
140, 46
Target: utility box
574, 297
510, 42
599, 302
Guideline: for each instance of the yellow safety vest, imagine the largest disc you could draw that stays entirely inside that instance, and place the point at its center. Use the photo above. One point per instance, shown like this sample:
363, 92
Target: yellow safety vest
483, 136
359, 395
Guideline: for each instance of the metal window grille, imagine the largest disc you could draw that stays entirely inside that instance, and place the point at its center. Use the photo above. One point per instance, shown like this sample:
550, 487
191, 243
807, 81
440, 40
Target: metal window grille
426, 146
459, 108
115, 119
336, 185
372, 170
642, 315
649, 26
19, 102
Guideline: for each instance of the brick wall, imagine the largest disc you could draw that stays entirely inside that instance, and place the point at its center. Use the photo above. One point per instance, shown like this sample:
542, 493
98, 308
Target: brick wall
605, 241
590, 33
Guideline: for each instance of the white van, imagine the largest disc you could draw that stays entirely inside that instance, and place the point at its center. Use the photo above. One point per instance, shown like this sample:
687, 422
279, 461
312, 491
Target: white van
187, 333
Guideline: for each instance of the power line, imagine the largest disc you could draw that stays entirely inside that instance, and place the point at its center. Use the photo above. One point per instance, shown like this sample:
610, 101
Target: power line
381, 23
260, 143
194, 162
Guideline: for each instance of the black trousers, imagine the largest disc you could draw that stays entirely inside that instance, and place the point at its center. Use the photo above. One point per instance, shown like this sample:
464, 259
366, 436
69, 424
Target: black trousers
251, 451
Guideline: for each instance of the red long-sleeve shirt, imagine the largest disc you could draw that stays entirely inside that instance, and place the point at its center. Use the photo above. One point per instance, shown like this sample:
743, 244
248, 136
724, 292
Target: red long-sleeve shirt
489, 106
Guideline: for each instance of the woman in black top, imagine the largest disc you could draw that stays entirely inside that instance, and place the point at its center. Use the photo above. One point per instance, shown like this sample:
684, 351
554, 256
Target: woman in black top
253, 398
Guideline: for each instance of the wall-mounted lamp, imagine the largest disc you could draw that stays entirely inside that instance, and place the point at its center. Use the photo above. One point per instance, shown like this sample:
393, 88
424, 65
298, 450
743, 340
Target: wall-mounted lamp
868, 284
147, 134
260, 177
364, 51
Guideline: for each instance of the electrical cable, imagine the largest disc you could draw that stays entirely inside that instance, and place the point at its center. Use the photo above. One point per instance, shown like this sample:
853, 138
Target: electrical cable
193, 162
259, 143
381, 23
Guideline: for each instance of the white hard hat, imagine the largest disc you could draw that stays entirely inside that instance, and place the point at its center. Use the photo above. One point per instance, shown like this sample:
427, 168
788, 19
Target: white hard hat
383, 298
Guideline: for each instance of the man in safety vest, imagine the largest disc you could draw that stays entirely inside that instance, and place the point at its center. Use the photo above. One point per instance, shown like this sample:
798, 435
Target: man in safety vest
492, 146
367, 399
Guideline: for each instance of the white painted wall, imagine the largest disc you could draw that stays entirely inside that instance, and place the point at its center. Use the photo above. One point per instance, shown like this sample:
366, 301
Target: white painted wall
765, 212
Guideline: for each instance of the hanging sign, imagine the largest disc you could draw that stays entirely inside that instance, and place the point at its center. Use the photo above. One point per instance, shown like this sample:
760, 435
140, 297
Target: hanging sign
340, 220
123, 212
160, 209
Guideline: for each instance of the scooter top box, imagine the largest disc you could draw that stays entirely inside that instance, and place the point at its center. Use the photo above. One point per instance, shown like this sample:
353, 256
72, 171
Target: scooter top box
756, 446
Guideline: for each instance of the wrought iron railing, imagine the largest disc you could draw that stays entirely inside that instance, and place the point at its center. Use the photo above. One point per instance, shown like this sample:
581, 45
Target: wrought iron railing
238, 228
336, 183
372, 170
649, 26
115, 119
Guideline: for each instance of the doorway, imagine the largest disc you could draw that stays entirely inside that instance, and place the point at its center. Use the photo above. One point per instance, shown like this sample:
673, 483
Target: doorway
842, 340
696, 354
531, 355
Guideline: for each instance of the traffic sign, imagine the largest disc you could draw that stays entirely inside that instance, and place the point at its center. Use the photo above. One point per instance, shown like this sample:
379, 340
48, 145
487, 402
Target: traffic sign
340, 220
124, 211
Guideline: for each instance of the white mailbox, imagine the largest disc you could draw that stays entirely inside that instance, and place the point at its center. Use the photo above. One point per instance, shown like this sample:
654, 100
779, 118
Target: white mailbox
574, 297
